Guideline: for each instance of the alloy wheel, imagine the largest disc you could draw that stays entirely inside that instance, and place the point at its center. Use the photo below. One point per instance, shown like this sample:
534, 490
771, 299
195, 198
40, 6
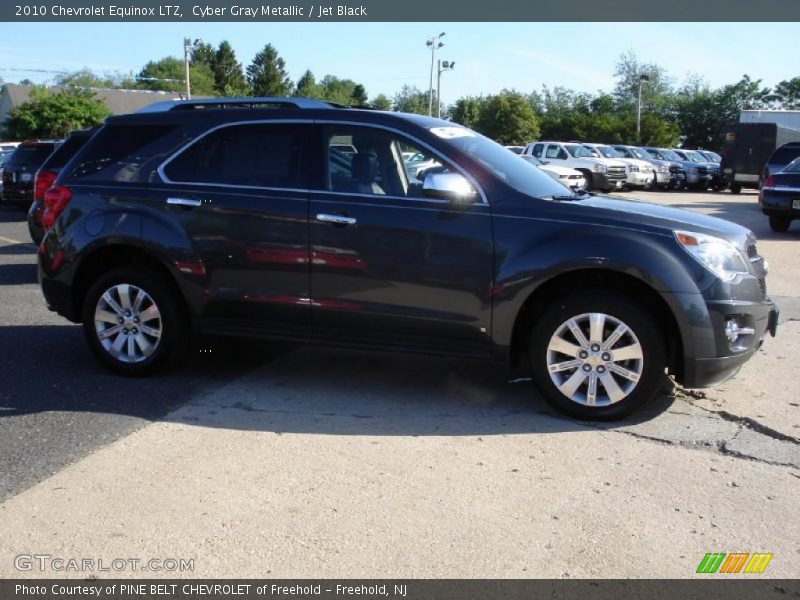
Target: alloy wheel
128, 323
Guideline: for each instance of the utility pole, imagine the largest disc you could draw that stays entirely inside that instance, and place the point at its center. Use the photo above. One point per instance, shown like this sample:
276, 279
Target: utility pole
441, 67
642, 78
434, 43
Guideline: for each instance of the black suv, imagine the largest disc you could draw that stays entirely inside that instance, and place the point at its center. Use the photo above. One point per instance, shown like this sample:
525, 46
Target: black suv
19, 171
244, 217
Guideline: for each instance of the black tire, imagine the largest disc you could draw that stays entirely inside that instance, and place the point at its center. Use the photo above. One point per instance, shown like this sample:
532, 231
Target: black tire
779, 224
736, 188
587, 175
617, 306
173, 321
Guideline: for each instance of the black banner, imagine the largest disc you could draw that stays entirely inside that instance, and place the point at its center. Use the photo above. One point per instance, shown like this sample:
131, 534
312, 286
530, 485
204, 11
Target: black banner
711, 588
622, 11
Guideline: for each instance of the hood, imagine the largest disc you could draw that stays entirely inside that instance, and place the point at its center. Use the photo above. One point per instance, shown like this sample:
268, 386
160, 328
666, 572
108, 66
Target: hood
609, 162
645, 214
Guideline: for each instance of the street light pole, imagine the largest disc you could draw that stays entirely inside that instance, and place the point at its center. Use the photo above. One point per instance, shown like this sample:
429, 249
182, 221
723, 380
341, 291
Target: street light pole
642, 79
442, 66
434, 43
187, 46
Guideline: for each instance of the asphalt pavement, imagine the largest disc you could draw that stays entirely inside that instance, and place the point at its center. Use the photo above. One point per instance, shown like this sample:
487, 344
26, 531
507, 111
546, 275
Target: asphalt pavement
308, 462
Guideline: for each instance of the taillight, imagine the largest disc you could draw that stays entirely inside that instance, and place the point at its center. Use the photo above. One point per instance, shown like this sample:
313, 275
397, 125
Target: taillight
44, 181
769, 182
55, 201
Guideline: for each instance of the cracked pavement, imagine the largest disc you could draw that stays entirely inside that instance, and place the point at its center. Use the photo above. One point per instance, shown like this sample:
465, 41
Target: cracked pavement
310, 462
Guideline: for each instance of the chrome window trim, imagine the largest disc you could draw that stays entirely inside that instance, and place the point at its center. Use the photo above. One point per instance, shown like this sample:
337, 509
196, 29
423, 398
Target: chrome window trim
436, 153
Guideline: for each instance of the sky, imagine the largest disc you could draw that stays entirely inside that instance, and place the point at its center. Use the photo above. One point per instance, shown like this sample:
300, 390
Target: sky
384, 56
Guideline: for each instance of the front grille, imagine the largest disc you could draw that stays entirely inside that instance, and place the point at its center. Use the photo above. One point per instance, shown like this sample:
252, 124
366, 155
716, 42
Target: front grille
676, 170
762, 283
704, 170
752, 252
616, 172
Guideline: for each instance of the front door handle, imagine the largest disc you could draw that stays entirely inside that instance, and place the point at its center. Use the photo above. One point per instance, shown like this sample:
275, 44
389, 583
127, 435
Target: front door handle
184, 201
336, 219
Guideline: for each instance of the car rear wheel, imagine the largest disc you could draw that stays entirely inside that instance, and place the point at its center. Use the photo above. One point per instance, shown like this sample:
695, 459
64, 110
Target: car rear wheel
736, 188
779, 224
597, 356
135, 322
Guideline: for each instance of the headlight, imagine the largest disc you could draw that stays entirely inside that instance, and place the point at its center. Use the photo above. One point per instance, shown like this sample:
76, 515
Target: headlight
663, 169
563, 176
600, 168
715, 254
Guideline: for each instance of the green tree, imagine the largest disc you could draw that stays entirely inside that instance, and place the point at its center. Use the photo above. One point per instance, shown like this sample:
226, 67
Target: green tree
228, 76
307, 86
358, 96
267, 74
656, 91
786, 94
410, 99
48, 115
508, 119
466, 111
334, 89
203, 54
167, 74
381, 102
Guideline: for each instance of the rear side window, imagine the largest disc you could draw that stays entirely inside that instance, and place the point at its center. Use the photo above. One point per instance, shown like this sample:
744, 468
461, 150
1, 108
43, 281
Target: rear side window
537, 150
32, 155
261, 155
120, 152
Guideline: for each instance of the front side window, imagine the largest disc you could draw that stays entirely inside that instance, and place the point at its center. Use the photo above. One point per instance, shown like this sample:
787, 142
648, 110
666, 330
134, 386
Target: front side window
380, 163
260, 155
537, 150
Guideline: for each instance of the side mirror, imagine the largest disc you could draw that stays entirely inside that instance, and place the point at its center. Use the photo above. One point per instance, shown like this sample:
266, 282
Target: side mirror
453, 187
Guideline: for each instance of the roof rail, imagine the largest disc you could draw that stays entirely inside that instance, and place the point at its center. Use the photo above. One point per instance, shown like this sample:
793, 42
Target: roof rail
244, 102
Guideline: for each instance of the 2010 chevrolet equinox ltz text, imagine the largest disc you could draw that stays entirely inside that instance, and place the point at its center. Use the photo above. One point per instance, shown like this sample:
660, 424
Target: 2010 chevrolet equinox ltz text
295, 219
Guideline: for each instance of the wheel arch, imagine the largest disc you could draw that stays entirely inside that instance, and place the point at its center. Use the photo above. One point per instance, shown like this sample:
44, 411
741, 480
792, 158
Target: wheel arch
584, 278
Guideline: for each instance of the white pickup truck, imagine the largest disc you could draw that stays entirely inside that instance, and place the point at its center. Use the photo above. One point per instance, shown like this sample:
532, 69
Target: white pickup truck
602, 174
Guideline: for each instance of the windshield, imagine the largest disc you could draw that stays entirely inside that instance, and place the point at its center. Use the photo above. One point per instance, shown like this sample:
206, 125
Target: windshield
671, 155
578, 151
713, 156
695, 156
506, 166
639, 153
608, 152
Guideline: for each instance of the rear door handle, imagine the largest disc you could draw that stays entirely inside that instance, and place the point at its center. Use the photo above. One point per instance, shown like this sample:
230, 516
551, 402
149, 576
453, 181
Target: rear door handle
184, 201
336, 219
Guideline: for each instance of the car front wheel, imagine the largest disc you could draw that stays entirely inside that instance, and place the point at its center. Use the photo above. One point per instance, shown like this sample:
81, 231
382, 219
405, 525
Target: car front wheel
596, 355
134, 322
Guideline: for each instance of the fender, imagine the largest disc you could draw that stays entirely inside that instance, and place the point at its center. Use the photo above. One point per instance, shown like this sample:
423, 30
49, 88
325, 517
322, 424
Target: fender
521, 270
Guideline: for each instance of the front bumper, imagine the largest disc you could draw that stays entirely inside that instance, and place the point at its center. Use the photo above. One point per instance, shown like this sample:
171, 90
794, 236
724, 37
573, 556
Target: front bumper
708, 371
639, 179
604, 181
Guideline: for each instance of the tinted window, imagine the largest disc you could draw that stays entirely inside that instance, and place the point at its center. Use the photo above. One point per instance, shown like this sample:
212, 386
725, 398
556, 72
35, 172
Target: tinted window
119, 152
537, 150
65, 151
251, 155
31, 156
793, 167
784, 155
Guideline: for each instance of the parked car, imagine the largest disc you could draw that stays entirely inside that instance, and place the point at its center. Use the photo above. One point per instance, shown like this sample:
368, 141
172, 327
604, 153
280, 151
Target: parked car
639, 173
779, 197
600, 173
708, 172
564, 175
19, 171
692, 169
175, 218
668, 175
8, 146
47, 174
779, 159
747, 149
711, 157
3, 157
